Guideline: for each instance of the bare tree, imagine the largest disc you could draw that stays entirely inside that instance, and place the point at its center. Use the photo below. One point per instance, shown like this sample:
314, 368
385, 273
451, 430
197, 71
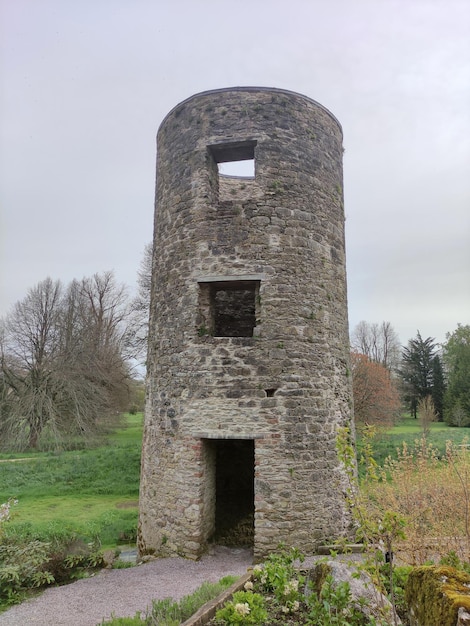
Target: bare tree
137, 336
378, 342
62, 364
427, 414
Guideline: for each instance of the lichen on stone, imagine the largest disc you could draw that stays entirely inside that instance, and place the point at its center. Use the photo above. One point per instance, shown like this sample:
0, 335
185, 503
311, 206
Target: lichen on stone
434, 595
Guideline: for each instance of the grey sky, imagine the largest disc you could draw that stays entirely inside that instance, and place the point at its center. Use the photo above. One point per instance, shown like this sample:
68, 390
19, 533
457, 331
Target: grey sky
84, 86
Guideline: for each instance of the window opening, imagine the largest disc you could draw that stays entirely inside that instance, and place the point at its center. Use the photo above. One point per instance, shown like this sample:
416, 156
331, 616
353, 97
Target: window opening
240, 169
270, 392
228, 308
235, 158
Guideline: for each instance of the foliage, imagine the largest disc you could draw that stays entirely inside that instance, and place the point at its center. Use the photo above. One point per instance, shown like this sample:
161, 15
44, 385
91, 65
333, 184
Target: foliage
62, 360
378, 342
426, 414
288, 600
456, 354
376, 399
417, 370
432, 493
167, 612
245, 608
394, 580
377, 523
456, 416
279, 576
31, 564
334, 606
438, 387
137, 330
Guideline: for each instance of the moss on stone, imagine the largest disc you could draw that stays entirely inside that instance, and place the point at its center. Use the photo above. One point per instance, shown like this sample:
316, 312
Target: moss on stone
434, 595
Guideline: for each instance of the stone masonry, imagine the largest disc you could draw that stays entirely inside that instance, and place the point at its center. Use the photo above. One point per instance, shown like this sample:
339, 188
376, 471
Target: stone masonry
248, 366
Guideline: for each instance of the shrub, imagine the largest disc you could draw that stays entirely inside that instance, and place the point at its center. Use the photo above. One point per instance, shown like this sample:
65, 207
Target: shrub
279, 576
334, 607
245, 608
25, 565
432, 492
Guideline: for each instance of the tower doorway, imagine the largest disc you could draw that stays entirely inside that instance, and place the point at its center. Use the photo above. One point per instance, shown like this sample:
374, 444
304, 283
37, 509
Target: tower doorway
234, 492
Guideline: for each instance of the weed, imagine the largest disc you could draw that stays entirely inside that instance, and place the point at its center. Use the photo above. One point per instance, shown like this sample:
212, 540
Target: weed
276, 186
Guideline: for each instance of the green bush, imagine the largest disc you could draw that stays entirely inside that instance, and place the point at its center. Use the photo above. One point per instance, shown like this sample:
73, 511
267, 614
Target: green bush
25, 565
245, 608
334, 607
279, 576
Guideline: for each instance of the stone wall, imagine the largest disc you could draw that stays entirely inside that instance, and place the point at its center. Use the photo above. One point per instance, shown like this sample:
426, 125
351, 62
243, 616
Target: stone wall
284, 382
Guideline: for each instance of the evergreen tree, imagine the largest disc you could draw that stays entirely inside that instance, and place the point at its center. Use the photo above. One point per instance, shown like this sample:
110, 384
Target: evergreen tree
417, 370
438, 387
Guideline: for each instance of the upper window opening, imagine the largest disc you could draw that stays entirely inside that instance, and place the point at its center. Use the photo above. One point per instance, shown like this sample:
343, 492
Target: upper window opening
241, 169
235, 158
229, 307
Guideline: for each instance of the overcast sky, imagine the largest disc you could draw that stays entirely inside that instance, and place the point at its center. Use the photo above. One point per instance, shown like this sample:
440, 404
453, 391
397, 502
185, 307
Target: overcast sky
85, 85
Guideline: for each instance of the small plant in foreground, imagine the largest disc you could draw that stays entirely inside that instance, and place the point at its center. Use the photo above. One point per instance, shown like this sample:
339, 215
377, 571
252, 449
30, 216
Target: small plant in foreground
334, 607
245, 608
279, 576
376, 525
167, 612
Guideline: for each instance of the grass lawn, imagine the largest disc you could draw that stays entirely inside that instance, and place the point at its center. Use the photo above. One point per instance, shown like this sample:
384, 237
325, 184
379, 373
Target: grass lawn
409, 430
91, 492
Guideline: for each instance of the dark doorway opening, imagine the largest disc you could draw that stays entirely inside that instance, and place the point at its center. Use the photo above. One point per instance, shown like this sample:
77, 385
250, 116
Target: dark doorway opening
234, 484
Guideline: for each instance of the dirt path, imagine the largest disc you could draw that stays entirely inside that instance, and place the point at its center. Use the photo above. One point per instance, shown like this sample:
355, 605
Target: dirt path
123, 592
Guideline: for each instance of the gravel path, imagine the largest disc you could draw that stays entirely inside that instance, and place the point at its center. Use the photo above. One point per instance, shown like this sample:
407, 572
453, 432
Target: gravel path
123, 592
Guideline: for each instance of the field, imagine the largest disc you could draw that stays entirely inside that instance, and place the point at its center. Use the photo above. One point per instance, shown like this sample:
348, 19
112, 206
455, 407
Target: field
93, 493
409, 430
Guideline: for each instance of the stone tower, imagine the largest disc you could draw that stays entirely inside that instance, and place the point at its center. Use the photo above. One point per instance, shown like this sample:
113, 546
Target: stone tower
248, 366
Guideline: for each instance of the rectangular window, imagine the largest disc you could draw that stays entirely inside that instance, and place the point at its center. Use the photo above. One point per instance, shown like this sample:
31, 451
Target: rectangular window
235, 159
228, 308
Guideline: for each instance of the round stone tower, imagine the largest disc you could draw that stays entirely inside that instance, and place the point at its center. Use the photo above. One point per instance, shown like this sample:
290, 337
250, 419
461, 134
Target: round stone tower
248, 367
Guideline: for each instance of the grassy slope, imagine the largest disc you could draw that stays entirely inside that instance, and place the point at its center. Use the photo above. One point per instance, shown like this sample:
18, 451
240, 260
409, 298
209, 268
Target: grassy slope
89, 491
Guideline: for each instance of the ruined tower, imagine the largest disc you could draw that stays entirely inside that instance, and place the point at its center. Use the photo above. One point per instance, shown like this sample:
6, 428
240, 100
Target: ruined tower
248, 375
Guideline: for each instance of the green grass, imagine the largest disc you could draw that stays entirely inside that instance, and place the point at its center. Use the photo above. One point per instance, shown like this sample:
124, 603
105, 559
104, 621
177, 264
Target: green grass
409, 430
91, 492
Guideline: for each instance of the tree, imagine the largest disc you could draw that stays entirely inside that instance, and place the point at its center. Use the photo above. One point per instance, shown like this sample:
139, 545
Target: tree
417, 370
137, 335
376, 399
62, 364
379, 342
456, 355
438, 387
427, 414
